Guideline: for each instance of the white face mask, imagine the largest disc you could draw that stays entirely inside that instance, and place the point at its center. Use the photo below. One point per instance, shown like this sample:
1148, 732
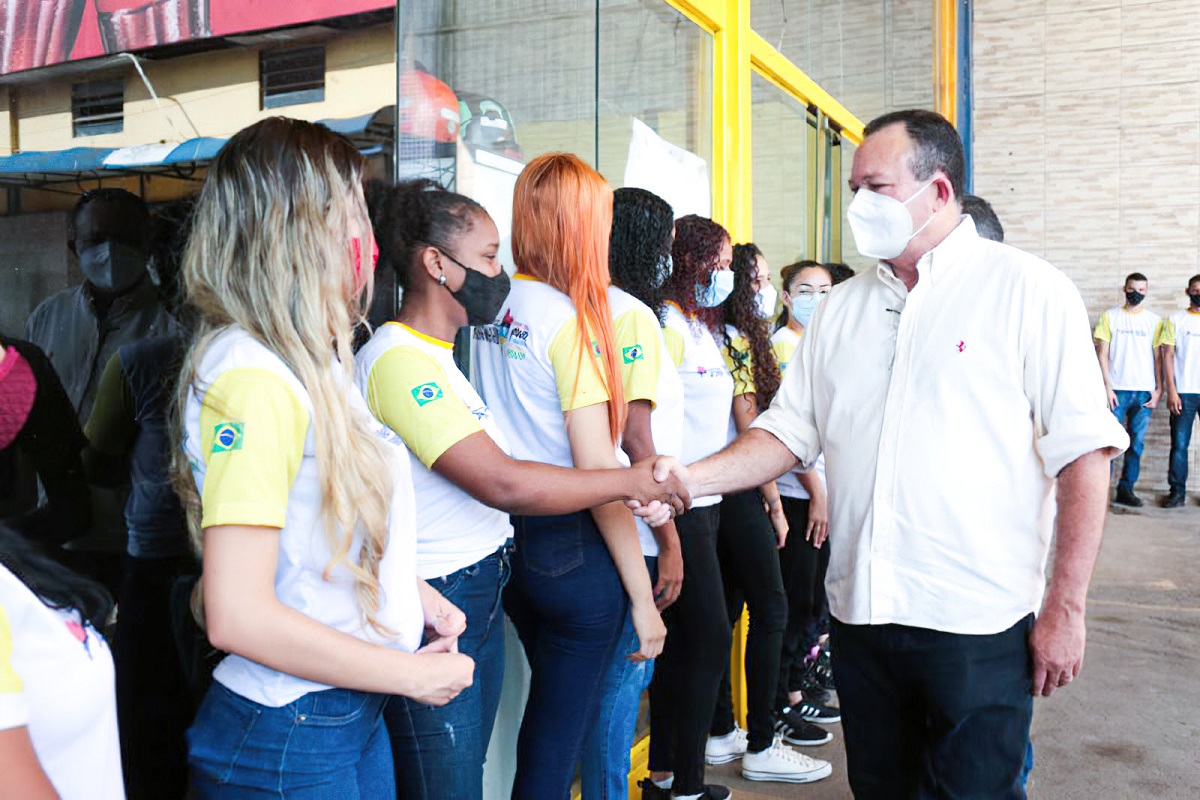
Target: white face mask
881, 225
719, 287
765, 300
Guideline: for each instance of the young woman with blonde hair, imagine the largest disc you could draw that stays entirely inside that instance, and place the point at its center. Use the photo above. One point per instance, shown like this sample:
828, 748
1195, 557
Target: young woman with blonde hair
304, 505
549, 369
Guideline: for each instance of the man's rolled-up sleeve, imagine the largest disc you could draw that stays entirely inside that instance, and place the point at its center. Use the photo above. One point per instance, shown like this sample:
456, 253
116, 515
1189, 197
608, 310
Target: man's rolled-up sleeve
792, 416
1063, 381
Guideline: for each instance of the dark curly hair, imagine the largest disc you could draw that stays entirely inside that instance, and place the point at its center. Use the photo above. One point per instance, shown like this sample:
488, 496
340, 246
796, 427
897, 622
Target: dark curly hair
55, 585
786, 276
416, 214
695, 253
741, 311
639, 247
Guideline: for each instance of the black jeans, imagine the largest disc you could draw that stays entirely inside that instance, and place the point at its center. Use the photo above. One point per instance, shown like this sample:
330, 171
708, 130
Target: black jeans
750, 573
154, 706
928, 714
683, 692
803, 567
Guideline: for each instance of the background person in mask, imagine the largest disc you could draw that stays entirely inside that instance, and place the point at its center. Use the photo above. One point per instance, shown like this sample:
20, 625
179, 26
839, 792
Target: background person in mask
954, 391
442, 247
81, 327
1181, 371
1127, 344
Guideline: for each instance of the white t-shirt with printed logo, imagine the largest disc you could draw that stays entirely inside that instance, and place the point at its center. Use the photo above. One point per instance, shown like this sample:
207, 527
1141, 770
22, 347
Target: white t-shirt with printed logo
252, 448
529, 369
1131, 339
1183, 330
414, 387
56, 680
707, 390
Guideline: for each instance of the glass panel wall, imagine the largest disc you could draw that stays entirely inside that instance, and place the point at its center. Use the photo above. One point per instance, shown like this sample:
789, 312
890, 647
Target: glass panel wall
781, 148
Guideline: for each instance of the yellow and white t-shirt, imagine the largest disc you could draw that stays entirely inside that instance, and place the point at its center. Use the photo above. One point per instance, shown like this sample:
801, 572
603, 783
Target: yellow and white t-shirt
648, 373
249, 439
529, 369
740, 363
707, 389
1131, 341
414, 387
783, 344
56, 680
1182, 330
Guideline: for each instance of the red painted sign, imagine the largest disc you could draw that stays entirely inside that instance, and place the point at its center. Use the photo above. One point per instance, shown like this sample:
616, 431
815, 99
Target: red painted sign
37, 33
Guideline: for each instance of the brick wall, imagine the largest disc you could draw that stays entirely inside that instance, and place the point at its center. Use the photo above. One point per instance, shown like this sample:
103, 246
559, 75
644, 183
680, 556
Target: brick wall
1087, 142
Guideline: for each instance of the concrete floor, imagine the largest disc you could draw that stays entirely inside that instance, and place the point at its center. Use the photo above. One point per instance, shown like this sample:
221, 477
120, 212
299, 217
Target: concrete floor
1129, 727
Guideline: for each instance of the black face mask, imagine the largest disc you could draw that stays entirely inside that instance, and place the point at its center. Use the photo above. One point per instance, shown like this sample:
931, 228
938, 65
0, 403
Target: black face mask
112, 267
1134, 298
1195, 300
481, 296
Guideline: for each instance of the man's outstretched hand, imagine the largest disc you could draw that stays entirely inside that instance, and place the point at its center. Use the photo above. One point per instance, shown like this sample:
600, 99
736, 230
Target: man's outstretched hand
656, 497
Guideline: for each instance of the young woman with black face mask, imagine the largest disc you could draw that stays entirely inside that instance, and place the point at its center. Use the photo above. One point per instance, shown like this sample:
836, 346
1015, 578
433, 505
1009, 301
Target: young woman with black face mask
443, 248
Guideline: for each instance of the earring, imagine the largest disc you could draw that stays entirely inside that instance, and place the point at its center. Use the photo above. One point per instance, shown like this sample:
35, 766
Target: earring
441, 280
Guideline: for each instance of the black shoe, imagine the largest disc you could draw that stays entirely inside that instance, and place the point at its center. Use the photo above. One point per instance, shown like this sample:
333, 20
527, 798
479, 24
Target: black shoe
816, 693
651, 792
811, 712
1175, 500
712, 791
1128, 498
805, 735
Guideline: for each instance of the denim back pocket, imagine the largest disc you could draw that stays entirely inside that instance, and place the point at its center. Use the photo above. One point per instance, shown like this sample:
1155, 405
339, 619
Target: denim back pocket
332, 707
220, 731
550, 546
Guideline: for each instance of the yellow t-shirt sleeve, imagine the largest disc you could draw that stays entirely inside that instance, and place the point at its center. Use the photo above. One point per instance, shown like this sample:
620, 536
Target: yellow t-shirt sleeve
1164, 333
674, 342
10, 681
252, 432
409, 392
641, 355
578, 376
1103, 331
741, 366
784, 350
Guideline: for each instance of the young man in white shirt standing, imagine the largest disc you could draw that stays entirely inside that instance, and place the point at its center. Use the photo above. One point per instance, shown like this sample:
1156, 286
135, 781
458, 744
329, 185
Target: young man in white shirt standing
957, 400
1127, 343
1181, 369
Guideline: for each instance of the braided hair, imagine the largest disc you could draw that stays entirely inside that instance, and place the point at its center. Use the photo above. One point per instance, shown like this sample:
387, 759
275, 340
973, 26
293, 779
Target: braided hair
639, 248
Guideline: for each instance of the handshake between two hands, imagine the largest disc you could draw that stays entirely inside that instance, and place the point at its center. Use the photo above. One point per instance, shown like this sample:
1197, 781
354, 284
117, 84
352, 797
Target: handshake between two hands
660, 488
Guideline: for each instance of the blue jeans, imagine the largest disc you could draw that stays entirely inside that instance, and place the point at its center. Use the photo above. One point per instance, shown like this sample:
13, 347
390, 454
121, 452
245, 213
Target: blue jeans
1181, 437
325, 745
1135, 418
439, 752
606, 752
568, 605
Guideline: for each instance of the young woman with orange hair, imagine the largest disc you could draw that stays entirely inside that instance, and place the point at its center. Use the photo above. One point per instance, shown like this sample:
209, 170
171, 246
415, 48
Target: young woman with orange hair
548, 369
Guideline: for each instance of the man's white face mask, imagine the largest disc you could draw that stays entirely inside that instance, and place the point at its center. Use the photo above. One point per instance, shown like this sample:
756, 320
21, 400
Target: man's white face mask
882, 225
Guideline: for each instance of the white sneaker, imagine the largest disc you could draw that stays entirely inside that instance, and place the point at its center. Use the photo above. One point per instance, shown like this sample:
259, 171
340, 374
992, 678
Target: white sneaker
781, 763
723, 749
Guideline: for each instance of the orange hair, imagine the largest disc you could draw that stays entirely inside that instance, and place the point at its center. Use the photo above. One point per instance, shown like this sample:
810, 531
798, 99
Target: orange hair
562, 218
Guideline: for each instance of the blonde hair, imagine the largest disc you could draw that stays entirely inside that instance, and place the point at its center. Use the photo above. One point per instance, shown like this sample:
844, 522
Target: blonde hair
270, 253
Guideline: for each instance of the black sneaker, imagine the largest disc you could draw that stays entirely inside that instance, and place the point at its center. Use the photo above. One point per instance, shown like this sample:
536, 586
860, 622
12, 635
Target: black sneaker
814, 692
1128, 498
811, 712
1175, 500
805, 734
712, 791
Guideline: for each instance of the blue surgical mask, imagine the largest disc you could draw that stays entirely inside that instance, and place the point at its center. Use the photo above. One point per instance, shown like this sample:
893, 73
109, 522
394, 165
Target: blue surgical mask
717, 290
803, 306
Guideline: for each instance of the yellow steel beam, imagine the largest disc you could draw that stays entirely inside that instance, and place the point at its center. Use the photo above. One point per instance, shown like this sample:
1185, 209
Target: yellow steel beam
945, 59
775, 67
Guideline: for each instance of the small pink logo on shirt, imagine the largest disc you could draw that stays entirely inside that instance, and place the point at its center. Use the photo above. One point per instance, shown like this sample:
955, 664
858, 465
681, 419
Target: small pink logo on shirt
962, 346
80, 633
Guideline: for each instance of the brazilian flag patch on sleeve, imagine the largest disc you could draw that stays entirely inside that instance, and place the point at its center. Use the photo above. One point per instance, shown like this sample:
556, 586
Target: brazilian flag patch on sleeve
227, 437
426, 393
632, 354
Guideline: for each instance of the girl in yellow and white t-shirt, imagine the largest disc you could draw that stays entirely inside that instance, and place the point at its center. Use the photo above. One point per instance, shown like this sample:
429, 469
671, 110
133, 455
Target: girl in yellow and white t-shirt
303, 503
443, 247
549, 368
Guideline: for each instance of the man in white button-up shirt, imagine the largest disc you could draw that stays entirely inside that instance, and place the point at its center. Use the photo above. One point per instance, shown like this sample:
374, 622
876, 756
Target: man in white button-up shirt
953, 389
